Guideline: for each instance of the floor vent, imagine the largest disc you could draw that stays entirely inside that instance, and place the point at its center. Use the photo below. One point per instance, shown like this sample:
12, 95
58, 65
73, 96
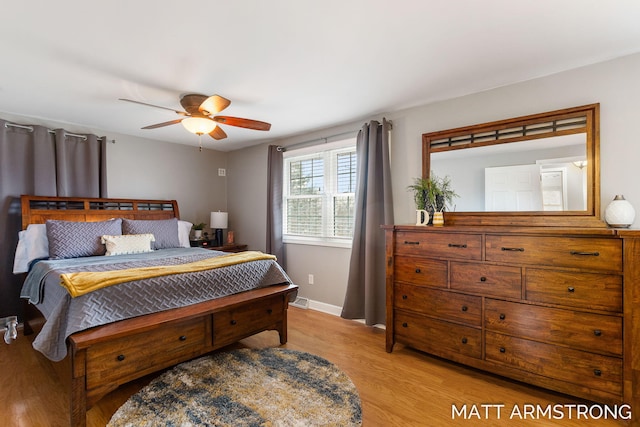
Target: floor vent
301, 302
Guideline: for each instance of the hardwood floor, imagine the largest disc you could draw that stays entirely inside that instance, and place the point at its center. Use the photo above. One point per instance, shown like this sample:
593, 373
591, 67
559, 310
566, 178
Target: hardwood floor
404, 388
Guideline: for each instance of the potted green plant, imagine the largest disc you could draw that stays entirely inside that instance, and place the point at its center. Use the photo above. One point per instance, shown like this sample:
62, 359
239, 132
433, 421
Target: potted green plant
433, 194
197, 230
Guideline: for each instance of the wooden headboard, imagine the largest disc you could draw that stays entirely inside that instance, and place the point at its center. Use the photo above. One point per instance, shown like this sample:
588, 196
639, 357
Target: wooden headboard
38, 209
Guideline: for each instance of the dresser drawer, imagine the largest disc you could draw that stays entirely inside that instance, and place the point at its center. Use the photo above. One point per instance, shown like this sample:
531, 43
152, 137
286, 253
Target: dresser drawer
233, 325
116, 360
443, 304
437, 336
565, 364
587, 331
439, 245
421, 271
585, 253
493, 280
586, 290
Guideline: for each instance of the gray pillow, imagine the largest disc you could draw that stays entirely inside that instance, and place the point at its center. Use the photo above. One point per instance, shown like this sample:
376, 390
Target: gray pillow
68, 239
165, 231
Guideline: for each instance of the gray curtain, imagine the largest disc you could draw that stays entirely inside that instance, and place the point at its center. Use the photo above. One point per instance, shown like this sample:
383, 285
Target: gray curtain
274, 204
366, 295
39, 162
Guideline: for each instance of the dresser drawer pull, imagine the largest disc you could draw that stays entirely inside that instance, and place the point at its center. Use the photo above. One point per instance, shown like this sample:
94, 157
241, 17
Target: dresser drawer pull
503, 350
456, 245
464, 340
585, 253
120, 357
404, 297
502, 316
483, 279
465, 308
183, 338
405, 325
571, 289
512, 249
597, 372
269, 311
233, 322
407, 242
418, 271
597, 332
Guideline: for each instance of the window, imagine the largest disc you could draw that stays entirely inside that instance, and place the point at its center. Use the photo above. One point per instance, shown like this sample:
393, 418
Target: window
319, 194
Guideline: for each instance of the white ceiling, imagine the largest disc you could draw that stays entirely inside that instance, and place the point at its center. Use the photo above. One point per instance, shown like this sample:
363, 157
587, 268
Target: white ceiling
299, 65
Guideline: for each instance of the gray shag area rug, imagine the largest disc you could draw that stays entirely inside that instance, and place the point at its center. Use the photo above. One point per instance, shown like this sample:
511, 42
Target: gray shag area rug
247, 387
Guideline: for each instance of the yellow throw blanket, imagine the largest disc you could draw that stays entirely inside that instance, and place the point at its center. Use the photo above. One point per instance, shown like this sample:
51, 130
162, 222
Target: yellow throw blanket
84, 282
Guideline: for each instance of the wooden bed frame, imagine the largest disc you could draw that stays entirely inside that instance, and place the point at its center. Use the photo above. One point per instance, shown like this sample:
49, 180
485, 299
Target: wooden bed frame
104, 357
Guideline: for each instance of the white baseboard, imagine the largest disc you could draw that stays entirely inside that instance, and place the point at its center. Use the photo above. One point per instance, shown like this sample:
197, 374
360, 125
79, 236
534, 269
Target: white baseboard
302, 302
325, 308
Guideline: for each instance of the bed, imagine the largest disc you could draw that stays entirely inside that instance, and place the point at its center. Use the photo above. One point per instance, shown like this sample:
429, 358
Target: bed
119, 316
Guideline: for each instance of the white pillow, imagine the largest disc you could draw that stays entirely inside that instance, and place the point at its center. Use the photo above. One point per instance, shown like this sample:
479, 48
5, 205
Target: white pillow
184, 230
128, 244
32, 244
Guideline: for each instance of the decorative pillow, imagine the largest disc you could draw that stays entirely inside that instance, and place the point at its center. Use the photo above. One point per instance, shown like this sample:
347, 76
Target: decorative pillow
68, 239
32, 245
184, 230
164, 230
128, 244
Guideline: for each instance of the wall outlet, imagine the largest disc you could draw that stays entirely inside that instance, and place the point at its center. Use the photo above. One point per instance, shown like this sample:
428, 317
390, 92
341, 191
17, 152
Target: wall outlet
222, 172
311, 279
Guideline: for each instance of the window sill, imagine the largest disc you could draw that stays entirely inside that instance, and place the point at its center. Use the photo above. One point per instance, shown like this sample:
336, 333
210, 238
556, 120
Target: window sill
316, 242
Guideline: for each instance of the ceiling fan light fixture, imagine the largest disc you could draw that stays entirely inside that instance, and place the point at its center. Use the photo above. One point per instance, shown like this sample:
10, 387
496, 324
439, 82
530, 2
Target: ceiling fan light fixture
199, 125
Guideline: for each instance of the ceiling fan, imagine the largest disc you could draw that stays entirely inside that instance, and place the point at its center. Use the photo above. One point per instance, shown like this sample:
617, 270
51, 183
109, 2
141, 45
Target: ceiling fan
199, 116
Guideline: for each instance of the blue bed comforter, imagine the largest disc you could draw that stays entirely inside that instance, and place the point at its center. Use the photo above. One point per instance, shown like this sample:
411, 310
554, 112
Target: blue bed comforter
65, 315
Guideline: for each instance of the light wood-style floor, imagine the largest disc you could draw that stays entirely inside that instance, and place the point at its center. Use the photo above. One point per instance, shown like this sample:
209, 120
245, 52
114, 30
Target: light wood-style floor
404, 388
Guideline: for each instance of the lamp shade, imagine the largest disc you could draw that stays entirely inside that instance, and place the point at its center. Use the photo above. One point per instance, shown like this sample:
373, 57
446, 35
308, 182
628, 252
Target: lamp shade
199, 125
219, 219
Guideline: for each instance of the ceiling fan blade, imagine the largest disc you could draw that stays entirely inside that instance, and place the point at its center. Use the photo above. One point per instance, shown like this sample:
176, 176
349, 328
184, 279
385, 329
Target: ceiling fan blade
218, 133
159, 125
214, 104
242, 123
182, 113
192, 101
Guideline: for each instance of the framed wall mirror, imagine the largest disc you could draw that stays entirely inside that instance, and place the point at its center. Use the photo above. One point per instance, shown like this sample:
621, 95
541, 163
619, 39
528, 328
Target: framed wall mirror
541, 169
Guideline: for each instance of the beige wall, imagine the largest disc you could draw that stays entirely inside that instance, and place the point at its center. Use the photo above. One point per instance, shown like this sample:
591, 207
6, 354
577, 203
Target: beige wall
142, 168
613, 84
247, 185
151, 169
247, 198
247, 209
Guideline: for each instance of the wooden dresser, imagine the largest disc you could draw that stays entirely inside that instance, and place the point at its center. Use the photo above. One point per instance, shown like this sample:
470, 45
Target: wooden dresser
548, 306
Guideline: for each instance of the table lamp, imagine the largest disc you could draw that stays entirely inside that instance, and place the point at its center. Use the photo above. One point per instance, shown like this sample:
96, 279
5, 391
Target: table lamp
218, 222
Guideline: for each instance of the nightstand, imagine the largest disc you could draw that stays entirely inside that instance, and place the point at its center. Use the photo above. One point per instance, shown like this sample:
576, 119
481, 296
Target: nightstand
228, 247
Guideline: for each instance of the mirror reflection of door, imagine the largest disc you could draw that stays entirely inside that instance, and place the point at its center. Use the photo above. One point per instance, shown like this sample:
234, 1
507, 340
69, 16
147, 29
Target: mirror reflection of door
554, 184
513, 188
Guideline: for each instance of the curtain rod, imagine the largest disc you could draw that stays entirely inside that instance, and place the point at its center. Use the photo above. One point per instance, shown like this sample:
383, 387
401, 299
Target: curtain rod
30, 129
281, 148
325, 139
